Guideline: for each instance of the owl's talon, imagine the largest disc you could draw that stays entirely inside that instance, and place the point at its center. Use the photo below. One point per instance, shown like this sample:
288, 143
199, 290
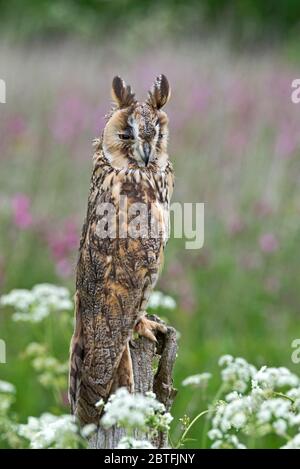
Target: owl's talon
146, 328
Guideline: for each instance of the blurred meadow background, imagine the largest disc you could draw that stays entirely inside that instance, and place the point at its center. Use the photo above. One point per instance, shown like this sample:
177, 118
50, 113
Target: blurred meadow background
234, 143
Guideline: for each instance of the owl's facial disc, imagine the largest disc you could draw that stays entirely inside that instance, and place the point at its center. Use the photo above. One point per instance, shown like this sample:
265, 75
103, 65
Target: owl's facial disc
136, 134
143, 131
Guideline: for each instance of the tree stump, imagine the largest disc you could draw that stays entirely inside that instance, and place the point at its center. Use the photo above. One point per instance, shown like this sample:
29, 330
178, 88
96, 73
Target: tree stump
147, 377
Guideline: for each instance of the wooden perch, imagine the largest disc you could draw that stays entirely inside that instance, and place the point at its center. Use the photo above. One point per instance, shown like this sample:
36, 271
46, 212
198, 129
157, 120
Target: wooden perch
145, 354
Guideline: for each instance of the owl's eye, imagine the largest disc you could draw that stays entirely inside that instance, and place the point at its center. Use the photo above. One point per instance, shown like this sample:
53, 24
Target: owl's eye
126, 135
160, 135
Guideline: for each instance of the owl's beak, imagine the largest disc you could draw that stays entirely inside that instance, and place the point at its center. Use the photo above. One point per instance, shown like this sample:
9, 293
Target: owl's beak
146, 153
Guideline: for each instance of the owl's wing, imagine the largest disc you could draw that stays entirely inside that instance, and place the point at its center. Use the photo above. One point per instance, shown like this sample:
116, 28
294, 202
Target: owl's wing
98, 344
115, 277
76, 357
170, 178
109, 289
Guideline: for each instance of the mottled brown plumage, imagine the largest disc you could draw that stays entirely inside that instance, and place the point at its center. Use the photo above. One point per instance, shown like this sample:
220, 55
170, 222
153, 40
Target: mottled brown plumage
117, 272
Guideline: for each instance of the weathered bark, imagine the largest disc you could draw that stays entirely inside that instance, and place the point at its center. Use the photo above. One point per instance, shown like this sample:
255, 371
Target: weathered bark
145, 354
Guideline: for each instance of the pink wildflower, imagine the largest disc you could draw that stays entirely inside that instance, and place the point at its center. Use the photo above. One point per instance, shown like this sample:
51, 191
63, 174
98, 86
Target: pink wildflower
268, 243
21, 211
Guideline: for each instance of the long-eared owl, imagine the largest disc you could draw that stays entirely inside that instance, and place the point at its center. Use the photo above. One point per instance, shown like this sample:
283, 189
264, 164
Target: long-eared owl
121, 246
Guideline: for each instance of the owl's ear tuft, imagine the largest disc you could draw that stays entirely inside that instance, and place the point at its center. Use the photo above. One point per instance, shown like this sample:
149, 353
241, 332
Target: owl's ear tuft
160, 92
121, 93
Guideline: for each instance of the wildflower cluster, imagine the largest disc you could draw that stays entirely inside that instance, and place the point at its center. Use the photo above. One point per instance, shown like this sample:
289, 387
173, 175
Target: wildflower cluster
256, 403
128, 442
159, 300
135, 412
199, 380
36, 304
51, 431
51, 372
7, 424
250, 404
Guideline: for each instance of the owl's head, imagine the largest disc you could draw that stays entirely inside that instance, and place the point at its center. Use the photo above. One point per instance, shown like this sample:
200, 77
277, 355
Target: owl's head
136, 134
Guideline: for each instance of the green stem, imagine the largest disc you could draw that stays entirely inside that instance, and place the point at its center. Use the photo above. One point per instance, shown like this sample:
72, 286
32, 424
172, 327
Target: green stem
181, 440
284, 396
205, 427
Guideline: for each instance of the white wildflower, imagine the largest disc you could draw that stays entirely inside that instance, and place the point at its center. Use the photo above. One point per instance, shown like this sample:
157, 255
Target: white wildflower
162, 421
159, 300
36, 304
234, 441
238, 420
225, 360
294, 394
7, 388
131, 443
87, 430
19, 298
7, 397
264, 416
168, 302
293, 420
229, 442
217, 444
135, 411
294, 443
214, 434
280, 427
197, 380
155, 300
237, 374
276, 378
232, 396
259, 402
273, 408
50, 431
